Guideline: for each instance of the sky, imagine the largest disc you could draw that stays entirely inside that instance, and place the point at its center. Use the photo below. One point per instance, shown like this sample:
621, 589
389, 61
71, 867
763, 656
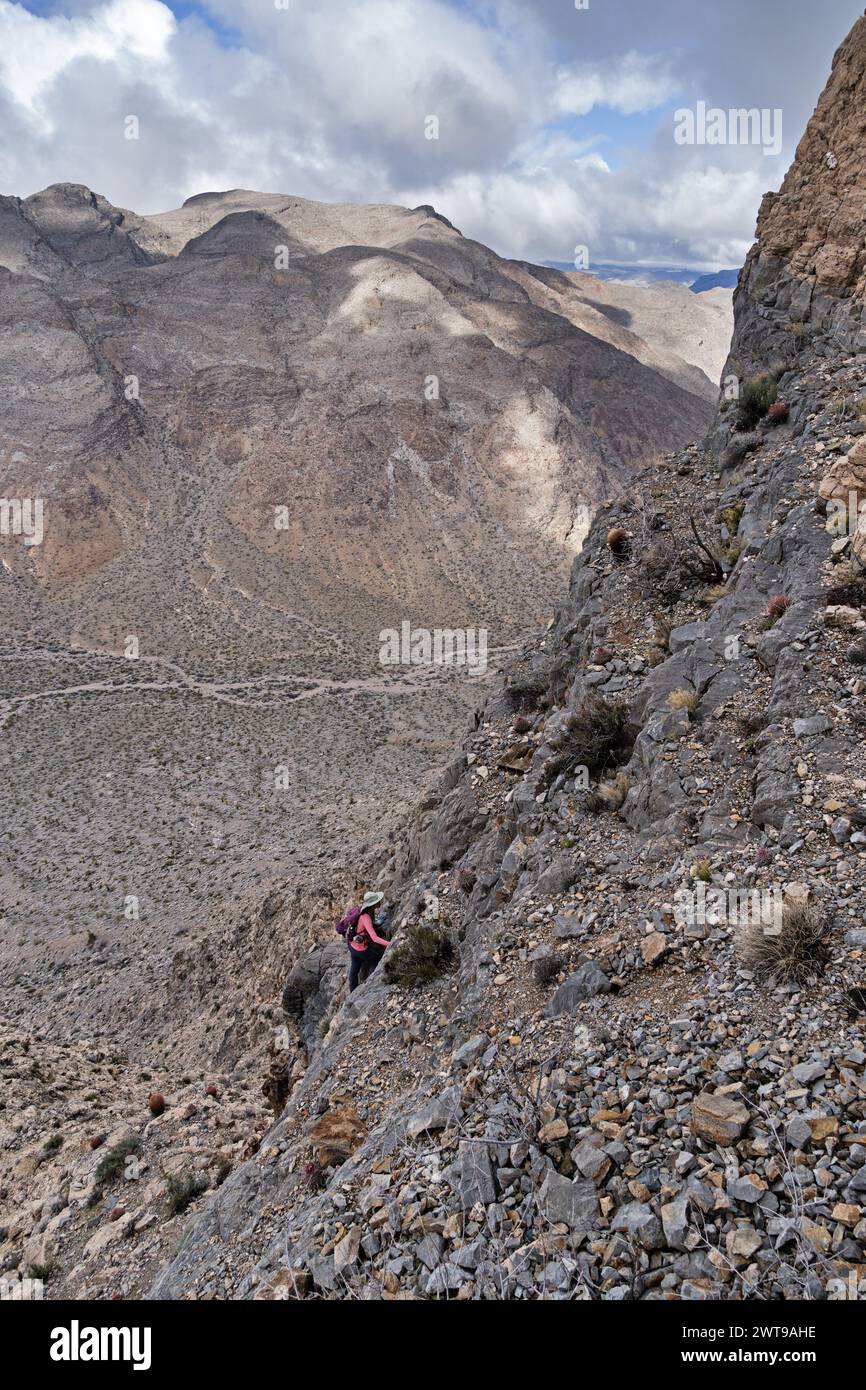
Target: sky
535, 126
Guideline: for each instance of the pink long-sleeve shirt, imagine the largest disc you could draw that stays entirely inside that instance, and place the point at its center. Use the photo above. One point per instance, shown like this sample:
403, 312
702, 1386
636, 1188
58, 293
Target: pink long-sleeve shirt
365, 932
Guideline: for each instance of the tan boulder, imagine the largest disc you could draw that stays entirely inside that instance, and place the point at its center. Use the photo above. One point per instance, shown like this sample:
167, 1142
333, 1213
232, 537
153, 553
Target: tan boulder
38, 1251
653, 948
846, 475
286, 1283
718, 1119
337, 1135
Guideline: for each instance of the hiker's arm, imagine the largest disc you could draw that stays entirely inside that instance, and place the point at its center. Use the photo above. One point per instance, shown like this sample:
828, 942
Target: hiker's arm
380, 941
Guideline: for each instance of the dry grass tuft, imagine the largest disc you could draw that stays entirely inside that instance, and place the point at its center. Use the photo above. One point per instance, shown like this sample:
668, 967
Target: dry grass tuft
684, 699
801, 949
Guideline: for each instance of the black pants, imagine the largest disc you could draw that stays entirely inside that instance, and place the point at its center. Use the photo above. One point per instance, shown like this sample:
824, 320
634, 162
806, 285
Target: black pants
362, 960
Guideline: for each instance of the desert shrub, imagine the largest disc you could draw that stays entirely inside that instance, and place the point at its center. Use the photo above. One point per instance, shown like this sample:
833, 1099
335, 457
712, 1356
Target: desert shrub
663, 568
674, 564
531, 688
796, 328
732, 516
112, 1164
857, 652
739, 446
53, 1143
732, 552
791, 955
592, 735
683, 698
183, 1188
608, 796
702, 869
756, 397
545, 970
422, 953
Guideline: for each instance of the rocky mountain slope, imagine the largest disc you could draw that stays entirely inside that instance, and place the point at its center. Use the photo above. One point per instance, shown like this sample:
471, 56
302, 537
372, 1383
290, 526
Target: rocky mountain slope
605, 1090
253, 351
602, 1099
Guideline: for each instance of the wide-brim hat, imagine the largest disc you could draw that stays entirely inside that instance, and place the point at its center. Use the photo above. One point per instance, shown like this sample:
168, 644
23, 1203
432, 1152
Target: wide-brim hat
372, 899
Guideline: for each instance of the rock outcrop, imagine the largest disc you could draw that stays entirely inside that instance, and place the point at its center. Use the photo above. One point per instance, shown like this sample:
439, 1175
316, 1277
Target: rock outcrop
806, 273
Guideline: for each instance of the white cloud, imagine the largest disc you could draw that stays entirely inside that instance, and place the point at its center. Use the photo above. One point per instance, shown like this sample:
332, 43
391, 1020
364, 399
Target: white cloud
35, 51
329, 101
629, 84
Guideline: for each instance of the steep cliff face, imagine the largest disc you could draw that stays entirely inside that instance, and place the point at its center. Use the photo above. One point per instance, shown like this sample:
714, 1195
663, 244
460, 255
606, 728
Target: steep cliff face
632, 1083
807, 270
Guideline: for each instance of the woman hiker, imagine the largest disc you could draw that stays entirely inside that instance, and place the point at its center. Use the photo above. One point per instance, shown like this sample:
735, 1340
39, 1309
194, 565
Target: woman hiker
366, 947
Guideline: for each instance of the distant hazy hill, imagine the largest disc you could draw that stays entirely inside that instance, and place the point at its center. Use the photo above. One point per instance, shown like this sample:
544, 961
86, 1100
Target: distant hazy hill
722, 280
650, 274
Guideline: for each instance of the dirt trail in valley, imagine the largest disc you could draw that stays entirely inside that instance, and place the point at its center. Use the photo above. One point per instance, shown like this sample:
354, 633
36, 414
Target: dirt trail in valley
409, 682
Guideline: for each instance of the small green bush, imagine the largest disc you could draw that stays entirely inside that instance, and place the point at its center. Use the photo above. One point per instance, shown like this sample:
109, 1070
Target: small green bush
423, 952
732, 516
183, 1188
112, 1164
756, 397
